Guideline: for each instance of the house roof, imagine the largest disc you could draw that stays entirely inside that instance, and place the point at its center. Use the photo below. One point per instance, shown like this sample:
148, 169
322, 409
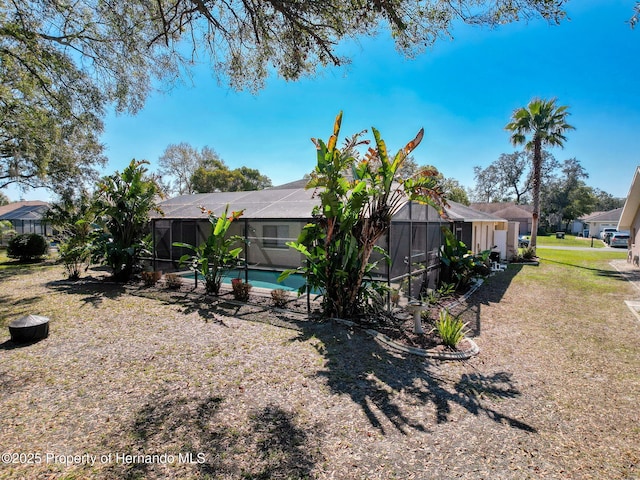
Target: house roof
23, 203
25, 210
295, 184
632, 203
272, 203
507, 210
461, 213
610, 216
257, 204
512, 212
586, 218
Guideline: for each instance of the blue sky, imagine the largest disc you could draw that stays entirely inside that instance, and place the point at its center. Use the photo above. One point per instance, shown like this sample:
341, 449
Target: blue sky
462, 91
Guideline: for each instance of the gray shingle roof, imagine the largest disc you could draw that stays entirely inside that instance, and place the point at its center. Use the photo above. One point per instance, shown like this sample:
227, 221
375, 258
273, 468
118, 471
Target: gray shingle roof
461, 213
610, 216
25, 212
268, 203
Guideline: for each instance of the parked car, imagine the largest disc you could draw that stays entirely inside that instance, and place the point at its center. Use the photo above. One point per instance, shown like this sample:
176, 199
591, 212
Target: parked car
605, 231
619, 239
523, 241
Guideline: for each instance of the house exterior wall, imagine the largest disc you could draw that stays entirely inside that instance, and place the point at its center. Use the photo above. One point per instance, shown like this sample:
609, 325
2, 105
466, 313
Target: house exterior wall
524, 225
512, 239
483, 235
634, 237
596, 227
576, 227
258, 251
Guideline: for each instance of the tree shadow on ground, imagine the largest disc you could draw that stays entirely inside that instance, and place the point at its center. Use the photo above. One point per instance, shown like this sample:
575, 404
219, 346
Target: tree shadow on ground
13, 309
491, 291
205, 442
217, 308
389, 385
15, 267
385, 384
94, 291
376, 378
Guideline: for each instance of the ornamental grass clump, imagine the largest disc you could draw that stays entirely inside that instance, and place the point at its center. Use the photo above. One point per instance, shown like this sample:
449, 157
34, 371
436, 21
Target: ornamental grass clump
450, 328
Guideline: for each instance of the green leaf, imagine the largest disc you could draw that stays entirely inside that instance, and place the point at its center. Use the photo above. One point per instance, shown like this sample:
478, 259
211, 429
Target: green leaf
284, 275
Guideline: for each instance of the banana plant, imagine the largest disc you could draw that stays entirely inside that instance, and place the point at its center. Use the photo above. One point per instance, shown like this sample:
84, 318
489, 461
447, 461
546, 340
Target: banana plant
212, 258
355, 212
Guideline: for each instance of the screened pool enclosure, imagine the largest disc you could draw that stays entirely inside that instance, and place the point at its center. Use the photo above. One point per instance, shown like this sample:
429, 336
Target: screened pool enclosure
275, 216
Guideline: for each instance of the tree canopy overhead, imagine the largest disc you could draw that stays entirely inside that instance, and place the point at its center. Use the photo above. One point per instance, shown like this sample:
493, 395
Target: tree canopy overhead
64, 62
123, 45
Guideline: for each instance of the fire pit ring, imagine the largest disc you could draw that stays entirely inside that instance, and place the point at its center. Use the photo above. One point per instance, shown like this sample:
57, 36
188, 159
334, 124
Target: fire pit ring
30, 328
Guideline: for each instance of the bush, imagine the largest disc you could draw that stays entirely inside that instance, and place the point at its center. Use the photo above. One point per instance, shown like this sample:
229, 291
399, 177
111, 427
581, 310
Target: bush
529, 253
240, 289
74, 257
279, 297
450, 328
27, 246
151, 278
173, 281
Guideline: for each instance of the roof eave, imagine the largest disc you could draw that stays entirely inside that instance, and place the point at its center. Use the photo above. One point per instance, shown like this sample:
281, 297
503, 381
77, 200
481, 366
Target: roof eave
631, 204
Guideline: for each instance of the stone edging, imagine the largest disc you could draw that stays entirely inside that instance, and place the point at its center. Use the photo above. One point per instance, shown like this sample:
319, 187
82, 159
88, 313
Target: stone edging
421, 352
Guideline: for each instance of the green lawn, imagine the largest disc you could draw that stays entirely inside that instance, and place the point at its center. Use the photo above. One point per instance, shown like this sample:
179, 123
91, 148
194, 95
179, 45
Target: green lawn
568, 241
583, 271
7, 263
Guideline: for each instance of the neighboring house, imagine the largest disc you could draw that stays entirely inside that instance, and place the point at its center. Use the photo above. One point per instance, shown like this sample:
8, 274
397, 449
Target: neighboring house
509, 211
482, 231
576, 227
27, 216
274, 216
598, 221
630, 217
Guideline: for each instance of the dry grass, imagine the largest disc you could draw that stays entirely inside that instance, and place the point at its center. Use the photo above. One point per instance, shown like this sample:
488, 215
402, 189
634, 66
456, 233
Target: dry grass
553, 394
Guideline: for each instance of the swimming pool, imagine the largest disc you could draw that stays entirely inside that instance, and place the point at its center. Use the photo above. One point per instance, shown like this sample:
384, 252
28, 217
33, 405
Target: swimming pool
260, 279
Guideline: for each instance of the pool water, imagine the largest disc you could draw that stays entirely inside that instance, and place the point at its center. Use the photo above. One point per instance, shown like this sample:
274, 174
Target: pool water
262, 279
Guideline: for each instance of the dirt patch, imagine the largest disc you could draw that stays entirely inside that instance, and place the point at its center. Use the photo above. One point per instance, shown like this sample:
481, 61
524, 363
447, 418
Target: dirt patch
159, 388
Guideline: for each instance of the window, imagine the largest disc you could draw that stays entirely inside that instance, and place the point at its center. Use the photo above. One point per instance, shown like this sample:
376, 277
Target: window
275, 236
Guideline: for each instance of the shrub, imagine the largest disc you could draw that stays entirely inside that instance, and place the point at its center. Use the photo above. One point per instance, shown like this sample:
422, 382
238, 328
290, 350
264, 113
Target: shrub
240, 289
529, 253
123, 203
150, 278
27, 246
75, 258
450, 328
444, 292
279, 297
173, 281
459, 264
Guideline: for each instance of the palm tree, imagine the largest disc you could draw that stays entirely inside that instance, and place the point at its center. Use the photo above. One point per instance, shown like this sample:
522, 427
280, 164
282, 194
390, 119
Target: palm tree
546, 124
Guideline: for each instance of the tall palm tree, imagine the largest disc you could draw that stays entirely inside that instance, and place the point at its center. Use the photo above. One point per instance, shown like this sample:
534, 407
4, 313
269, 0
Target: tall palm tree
545, 124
